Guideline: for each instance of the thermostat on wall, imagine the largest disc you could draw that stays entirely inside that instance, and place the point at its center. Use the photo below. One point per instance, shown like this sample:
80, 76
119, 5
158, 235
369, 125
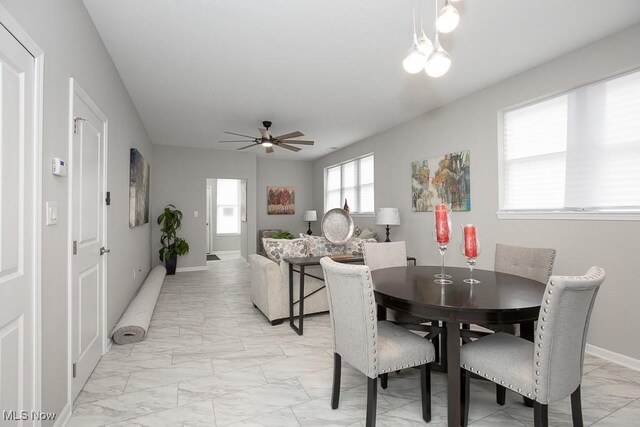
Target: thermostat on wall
58, 167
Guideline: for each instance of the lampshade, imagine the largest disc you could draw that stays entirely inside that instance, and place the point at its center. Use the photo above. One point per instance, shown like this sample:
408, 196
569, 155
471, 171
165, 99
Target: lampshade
310, 216
439, 62
387, 216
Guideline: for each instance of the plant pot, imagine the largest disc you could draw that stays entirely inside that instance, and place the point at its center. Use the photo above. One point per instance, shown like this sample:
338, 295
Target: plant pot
171, 264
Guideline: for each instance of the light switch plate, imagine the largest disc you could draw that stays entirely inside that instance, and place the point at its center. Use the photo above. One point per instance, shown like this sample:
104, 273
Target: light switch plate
195, 214
52, 213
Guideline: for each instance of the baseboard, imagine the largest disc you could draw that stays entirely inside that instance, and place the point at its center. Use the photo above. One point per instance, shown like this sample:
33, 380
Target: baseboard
187, 269
611, 356
63, 416
233, 252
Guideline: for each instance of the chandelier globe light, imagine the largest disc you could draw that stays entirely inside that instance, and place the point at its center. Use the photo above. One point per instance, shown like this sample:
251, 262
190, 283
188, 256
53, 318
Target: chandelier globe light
448, 19
425, 46
439, 62
415, 60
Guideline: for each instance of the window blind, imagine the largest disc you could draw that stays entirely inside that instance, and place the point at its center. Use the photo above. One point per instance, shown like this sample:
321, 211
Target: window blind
353, 181
577, 151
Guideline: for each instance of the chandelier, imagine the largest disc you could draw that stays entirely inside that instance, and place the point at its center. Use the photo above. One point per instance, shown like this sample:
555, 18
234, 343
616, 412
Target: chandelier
425, 55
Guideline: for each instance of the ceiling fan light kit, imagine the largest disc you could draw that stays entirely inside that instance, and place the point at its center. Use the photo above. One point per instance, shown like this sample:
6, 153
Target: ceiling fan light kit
428, 56
269, 141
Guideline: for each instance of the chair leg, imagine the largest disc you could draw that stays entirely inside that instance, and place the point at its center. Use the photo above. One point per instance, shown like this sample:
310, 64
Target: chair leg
372, 397
576, 408
465, 391
425, 386
540, 415
337, 371
384, 378
501, 394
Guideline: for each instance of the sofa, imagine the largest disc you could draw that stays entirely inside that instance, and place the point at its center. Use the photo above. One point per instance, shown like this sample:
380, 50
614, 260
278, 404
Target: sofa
270, 274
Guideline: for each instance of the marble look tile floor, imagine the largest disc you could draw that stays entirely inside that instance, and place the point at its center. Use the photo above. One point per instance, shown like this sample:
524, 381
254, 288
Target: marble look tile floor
212, 359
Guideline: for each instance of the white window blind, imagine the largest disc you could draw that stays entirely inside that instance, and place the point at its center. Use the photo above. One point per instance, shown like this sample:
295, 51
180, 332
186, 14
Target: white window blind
578, 151
228, 209
353, 181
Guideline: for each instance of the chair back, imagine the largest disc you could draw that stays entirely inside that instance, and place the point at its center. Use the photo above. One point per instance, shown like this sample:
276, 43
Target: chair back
561, 334
352, 310
532, 263
385, 255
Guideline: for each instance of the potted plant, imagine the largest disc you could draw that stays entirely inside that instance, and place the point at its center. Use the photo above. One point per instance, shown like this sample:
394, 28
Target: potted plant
170, 221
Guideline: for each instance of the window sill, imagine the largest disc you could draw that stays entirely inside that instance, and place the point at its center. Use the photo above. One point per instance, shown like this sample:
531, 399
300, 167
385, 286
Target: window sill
227, 234
363, 215
585, 216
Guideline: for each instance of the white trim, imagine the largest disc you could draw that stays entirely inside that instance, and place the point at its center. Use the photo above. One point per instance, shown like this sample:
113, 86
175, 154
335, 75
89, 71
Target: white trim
75, 89
230, 252
187, 269
586, 216
8, 22
611, 356
63, 416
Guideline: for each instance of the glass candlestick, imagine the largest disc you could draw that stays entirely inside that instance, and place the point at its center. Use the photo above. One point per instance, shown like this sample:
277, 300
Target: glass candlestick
471, 262
470, 248
442, 278
442, 236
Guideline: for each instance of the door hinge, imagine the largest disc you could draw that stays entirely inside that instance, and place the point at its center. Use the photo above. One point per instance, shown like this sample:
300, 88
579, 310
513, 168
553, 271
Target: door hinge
75, 247
74, 370
107, 200
76, 120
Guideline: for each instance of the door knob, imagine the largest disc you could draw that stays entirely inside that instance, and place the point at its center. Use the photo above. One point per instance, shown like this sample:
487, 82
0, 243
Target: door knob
104, 251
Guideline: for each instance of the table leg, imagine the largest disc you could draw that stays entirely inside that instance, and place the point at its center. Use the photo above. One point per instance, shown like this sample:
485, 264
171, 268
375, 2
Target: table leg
527, 331
382, 313
291, 298
301, 299
453, 373
298, 328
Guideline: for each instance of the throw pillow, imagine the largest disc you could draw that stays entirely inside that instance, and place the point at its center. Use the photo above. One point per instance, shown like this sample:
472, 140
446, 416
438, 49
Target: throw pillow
278, 249
355, 246
320, 246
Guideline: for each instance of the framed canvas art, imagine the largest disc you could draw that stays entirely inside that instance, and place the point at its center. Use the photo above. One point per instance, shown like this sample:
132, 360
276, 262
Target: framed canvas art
443, 179
281, 200
138, 189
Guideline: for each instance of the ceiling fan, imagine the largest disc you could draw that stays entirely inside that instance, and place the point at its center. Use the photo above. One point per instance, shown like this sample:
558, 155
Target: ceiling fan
269, 141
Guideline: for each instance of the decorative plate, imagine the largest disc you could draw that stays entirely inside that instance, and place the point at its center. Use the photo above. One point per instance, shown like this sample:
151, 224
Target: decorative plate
337, 226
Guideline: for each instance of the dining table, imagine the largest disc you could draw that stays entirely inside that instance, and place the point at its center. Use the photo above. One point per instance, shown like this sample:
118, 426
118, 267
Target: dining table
499, 298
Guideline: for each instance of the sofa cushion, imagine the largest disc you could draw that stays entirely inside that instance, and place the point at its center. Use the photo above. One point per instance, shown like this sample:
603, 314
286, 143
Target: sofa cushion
320, 246
278, 249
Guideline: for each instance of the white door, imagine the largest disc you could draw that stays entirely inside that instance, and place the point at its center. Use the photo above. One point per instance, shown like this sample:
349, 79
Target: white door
209, 224
87, 232
17, 226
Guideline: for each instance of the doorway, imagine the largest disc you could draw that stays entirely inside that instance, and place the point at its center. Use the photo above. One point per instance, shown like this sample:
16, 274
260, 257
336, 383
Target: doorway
226, 224
87, 228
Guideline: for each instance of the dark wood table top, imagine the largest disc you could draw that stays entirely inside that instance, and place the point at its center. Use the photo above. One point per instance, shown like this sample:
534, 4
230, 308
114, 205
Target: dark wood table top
499, 298
308, 261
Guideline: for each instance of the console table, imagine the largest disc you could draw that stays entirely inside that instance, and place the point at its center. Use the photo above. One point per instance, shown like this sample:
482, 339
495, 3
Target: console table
301, 263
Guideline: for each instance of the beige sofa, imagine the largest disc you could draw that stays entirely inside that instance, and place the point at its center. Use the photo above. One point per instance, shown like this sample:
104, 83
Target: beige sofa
270, 274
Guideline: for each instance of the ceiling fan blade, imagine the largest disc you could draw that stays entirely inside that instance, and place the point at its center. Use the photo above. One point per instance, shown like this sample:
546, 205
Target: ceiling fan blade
288, 147
269, 150
298, 141
240, 140
247, 146
264, 133
239, 134
290, 135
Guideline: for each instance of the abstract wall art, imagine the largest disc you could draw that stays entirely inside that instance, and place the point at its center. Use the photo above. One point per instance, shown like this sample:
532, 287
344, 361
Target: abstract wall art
281, 200
138, 189
443, 179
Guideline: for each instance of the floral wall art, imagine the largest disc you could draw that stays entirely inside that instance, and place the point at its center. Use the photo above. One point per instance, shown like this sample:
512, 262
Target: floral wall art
281, 200
138, 189
443, 179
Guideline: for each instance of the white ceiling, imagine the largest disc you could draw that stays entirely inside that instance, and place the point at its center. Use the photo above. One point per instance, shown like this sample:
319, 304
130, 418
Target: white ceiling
329, 68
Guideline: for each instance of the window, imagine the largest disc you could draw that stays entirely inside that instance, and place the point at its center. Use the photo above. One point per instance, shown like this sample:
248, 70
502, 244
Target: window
576, 152
353, 181
228, 206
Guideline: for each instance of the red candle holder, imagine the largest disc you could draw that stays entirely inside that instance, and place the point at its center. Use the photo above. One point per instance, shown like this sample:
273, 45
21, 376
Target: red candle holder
470, 248
442, 236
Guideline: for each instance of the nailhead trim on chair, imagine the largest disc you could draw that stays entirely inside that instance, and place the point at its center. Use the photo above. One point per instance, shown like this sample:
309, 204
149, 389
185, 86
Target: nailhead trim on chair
541, 336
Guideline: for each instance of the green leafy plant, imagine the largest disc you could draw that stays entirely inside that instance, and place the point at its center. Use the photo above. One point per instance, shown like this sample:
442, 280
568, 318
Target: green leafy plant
170, 221
284, 234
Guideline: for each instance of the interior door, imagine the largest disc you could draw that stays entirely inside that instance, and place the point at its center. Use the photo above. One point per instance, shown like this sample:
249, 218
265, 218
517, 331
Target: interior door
87, 229
17, 227
209, 225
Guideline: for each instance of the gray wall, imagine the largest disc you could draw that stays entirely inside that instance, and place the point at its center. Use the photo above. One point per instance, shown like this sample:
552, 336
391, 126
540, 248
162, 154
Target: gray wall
64, 30
471, 123
179, 177
221, 243
296, 173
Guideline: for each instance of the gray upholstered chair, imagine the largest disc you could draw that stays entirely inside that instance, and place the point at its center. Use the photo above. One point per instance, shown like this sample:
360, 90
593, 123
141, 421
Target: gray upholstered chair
550, 368
374, 348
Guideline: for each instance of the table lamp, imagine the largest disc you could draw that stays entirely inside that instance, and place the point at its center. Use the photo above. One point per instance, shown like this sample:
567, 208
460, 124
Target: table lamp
310, 216
387, 216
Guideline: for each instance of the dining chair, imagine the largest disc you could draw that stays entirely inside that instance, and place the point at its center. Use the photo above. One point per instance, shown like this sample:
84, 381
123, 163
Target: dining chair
387, 255
373, 347
550, 368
